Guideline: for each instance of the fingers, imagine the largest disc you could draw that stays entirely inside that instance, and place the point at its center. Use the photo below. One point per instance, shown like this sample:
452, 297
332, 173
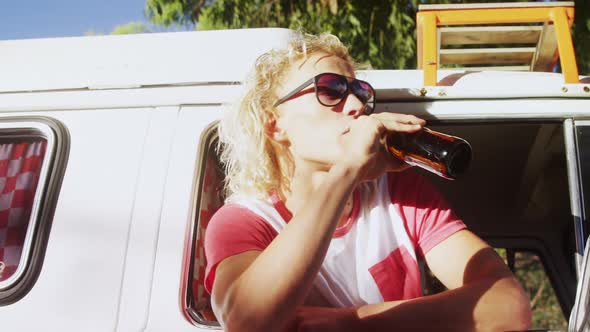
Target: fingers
400, 122
366, 124
403, 118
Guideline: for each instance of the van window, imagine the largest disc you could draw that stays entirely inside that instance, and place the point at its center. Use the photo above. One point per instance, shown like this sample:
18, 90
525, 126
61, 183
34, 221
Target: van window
515, 196
208, 198
31, 152
583, 142
20, 166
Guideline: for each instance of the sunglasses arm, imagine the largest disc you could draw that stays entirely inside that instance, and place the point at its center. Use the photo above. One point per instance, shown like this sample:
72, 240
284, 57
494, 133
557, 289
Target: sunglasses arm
294, 92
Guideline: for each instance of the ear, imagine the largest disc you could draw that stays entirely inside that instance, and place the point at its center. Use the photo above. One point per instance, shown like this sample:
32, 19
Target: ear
275, 132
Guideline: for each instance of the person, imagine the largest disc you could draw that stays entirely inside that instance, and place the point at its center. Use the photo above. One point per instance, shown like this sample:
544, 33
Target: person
322, 230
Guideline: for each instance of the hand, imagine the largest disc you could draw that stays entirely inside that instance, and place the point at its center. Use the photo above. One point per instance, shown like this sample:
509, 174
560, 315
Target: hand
321, 319
362, 147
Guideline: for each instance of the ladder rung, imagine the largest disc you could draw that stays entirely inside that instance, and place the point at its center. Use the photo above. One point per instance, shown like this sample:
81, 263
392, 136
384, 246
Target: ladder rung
545, 49
444, 29
487, 55
497, 68
518, 34
497, 5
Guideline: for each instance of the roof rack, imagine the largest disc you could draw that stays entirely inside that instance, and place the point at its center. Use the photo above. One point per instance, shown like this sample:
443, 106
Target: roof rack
476, 36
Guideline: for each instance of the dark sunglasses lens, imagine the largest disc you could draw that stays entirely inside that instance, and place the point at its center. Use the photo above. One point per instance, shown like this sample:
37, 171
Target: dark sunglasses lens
363, 91
331, 89
368, 108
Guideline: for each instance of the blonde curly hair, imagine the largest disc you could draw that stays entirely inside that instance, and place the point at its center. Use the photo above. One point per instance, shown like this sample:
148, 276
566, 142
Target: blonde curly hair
254, 165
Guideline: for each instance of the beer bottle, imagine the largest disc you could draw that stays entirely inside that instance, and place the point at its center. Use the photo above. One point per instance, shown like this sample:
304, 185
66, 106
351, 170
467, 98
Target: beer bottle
445, 155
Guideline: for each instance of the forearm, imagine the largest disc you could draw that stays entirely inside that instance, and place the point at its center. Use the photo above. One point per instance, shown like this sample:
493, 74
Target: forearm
485, 305
276, 283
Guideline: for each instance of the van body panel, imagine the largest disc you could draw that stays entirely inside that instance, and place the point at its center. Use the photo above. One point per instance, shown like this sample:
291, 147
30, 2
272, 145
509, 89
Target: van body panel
166, 311
80, 282
528, 109
118, 98
465, 84
147, 208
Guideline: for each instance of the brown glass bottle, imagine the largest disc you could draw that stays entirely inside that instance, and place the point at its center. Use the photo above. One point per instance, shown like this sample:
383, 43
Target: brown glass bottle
445, 155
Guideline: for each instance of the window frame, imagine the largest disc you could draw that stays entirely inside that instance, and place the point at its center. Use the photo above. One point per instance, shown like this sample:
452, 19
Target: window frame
575, 188
580, 200
44, 202
207, 140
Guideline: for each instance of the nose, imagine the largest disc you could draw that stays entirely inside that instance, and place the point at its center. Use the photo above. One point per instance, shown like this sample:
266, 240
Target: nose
352, 106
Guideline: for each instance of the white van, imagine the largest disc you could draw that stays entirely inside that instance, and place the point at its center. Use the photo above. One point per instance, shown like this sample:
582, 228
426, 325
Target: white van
110, 173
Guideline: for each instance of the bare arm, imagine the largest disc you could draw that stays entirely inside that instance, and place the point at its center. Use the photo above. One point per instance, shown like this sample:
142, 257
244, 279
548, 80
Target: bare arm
483, 295
259, 291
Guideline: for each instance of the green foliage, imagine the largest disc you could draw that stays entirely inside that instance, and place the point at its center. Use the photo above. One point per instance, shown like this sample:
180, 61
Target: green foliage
131, 28
379, 32
178, 12
581, 35
532, 276
547, 313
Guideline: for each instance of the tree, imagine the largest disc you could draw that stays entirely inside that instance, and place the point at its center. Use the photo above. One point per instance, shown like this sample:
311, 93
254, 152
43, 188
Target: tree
131, 28
178, 12
381, 32
581, 35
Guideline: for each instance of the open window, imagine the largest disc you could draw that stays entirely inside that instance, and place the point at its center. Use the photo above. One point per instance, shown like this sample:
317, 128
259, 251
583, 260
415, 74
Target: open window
515, 196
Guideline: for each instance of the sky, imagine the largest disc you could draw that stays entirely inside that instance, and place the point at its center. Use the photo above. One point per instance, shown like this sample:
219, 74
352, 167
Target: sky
21, 19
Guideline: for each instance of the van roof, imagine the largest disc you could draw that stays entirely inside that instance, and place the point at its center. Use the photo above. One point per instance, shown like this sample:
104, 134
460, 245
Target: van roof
225, 57
133, 60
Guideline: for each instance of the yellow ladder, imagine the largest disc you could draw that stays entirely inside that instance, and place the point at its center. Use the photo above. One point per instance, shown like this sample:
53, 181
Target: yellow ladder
447, 35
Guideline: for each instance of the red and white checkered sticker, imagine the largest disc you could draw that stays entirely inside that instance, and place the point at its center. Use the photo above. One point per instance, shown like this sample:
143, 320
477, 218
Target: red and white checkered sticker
20, 165
210, 202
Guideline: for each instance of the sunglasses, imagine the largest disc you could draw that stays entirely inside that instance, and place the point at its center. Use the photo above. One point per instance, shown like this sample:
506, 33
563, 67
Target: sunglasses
331, 89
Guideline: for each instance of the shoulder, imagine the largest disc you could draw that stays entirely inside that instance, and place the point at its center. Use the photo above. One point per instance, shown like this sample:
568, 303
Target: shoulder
400, 188
234, 229
409, 187
232, 212
235, 219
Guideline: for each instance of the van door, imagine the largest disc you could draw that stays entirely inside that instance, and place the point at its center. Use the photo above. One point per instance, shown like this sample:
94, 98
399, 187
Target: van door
577, 138
167, 307
579, 318
83, 260
577, 141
